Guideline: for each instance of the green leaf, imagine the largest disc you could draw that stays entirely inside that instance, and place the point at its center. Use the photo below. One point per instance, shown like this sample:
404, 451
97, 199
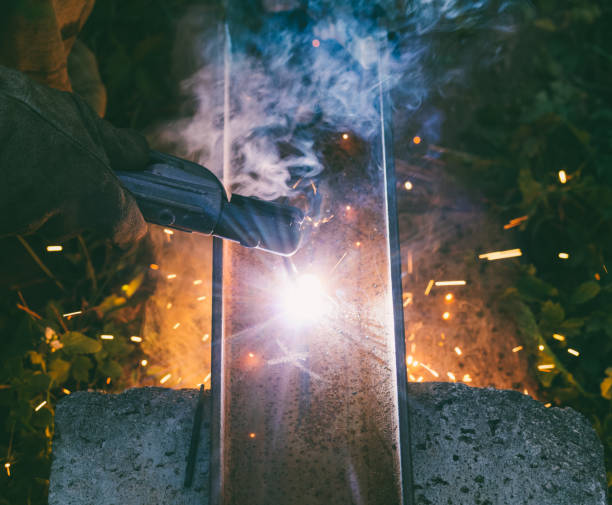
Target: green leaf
38, 382
533, 289
606, 385
58, 370
110, 303
42, 418
573, 324
132, 287
530, 188
78, 343
545, 24
608, 326
531, 336
526, 322
111, 369
551, 316
36, 358
585, 292
80, 368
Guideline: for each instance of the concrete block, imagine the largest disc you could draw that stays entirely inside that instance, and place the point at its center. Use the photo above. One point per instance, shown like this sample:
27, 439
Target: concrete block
470, 446
130, 448
475, 446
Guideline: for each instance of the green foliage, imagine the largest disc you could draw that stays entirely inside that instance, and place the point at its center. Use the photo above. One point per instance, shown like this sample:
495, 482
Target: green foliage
44, 356
548, 108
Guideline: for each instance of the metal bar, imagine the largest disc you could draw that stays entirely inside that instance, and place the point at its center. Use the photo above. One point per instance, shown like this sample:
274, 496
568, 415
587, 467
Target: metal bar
395, 259
310, 414
216, 379
217, 430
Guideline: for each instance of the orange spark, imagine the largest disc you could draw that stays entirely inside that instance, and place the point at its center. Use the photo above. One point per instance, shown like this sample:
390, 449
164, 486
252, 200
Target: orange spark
450, 283
500, 255
515, 222
432, 372
429, 286
549, 366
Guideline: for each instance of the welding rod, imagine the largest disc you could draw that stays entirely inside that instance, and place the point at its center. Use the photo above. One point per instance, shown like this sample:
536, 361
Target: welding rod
195, 439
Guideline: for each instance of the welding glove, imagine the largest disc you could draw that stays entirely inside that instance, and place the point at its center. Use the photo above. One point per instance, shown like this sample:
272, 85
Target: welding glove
56, 165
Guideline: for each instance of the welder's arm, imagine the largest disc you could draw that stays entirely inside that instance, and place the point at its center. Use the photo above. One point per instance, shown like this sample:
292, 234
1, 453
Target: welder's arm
56, 165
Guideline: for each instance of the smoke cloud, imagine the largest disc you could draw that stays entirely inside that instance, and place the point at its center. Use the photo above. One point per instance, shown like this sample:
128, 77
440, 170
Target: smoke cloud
308, 73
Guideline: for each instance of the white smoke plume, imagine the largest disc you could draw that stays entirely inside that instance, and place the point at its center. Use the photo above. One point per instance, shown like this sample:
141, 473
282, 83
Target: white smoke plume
312, 70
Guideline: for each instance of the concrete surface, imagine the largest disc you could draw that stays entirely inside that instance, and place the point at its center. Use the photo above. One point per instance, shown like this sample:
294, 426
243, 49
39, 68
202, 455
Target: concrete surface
489, 447
470, 447
127, 449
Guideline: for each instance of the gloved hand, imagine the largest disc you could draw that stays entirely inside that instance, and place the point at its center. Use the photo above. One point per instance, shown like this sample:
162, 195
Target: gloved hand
56, 165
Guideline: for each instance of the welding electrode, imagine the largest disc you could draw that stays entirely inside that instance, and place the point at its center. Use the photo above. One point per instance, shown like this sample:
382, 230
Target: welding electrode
180, 194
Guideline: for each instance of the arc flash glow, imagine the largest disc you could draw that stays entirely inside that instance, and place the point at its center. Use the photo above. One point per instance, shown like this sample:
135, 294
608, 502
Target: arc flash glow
304, 299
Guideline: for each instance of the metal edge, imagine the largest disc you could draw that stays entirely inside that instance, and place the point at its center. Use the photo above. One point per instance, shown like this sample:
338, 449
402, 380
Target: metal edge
388, 162
216, 378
